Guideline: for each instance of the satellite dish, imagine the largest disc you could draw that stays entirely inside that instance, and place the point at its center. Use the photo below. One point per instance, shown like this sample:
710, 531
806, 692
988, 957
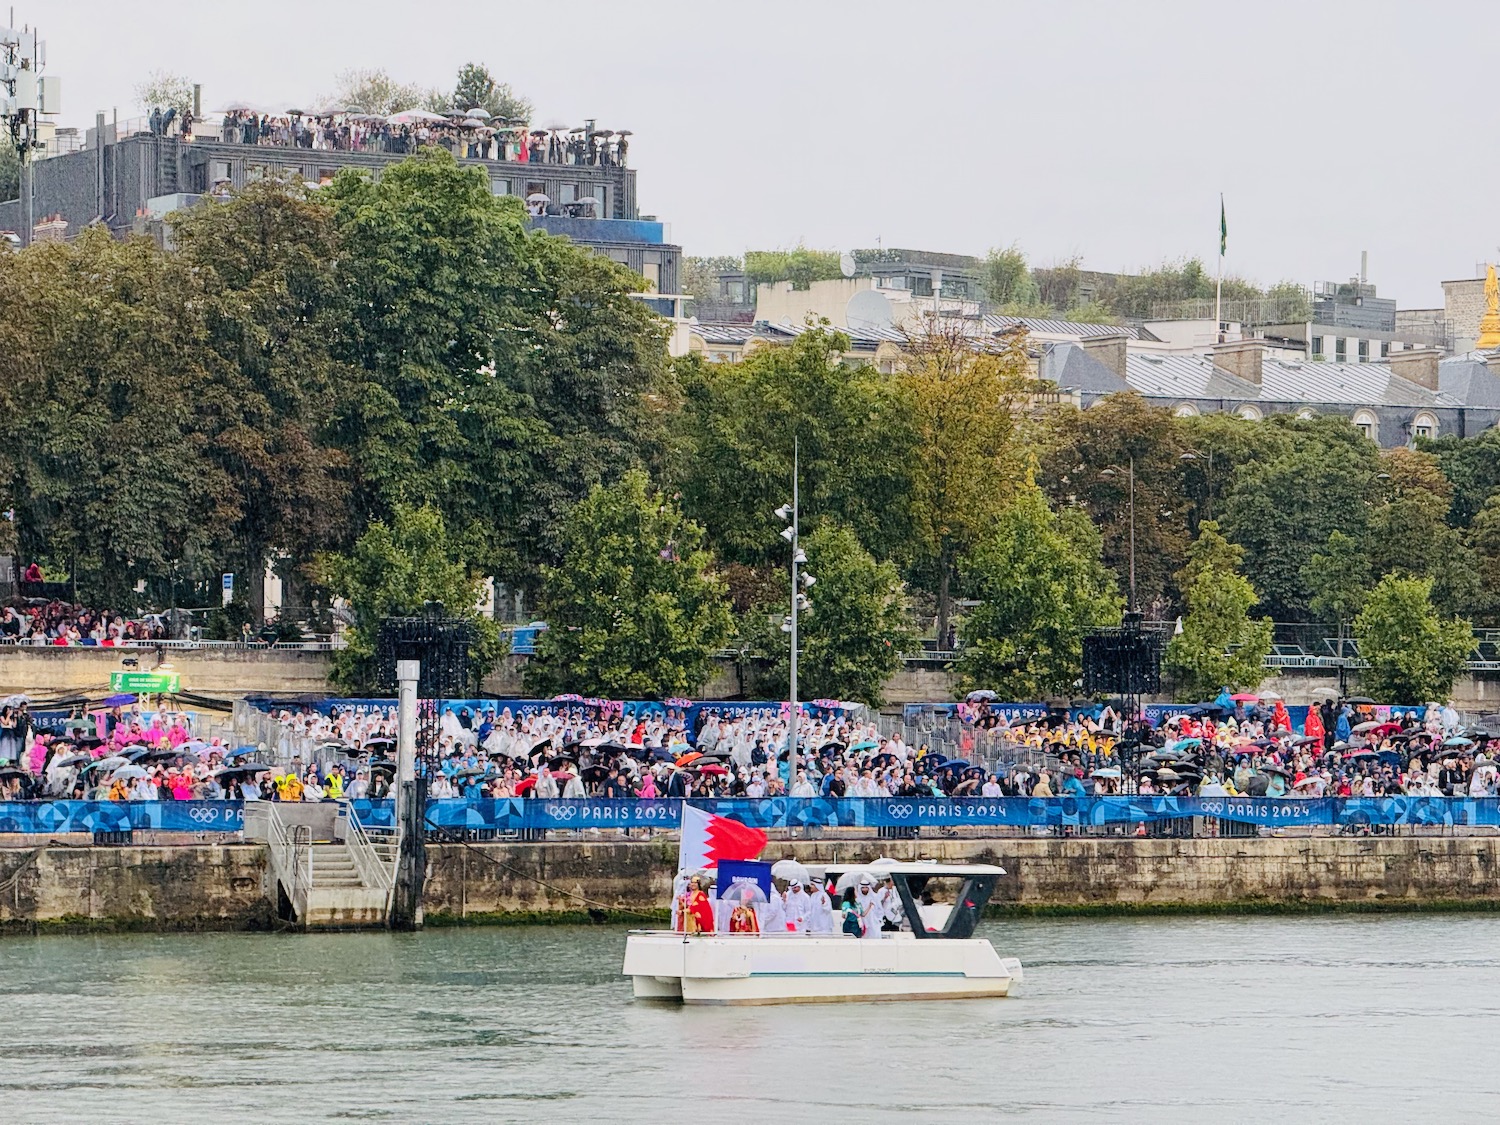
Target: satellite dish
868, 311
847, 263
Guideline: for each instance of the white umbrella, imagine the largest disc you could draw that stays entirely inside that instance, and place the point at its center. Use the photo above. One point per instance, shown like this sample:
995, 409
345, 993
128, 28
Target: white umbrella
790, 870
130, 771
480, 111
237, 107
540, 197
472, 123
410, 116
1271, 695
743, 891
852, 877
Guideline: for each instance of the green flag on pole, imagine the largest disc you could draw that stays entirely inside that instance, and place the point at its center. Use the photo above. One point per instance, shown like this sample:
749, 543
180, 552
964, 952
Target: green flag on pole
1223, 229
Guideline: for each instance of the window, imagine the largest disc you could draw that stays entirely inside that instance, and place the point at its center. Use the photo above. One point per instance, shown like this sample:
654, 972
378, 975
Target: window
652, 273
1317, 347
1248, 412
1305, 415
499, 187
1364, 351
1367, 423
568, 193
1424, 425
1385, 348
736, 296
1185, 410
218, 172
1340, 349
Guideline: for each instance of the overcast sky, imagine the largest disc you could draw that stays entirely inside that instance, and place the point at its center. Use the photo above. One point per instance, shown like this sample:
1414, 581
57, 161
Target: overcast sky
1106, 130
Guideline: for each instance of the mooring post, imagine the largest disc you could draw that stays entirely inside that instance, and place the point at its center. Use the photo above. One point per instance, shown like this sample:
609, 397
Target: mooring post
411, 805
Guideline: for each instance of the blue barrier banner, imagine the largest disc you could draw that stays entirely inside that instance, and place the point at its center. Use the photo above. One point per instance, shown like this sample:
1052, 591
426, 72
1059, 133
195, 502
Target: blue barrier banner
515, 814
43, 817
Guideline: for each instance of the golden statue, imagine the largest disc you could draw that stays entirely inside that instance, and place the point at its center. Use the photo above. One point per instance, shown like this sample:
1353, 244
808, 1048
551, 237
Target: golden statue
1489, 323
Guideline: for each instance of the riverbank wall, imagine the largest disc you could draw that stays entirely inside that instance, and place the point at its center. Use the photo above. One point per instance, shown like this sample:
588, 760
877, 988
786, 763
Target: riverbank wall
222, 886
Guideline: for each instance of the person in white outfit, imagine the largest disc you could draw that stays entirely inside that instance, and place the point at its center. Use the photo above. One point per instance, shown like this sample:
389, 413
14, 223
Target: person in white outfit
867, 903
795, 906
819, 911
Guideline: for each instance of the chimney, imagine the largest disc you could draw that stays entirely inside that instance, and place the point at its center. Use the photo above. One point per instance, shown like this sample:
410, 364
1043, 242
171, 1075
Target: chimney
1241, 358
1417, 365
1108, 349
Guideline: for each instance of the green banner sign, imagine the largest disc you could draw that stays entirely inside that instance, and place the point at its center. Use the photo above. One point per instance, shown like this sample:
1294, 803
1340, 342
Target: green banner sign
142, 683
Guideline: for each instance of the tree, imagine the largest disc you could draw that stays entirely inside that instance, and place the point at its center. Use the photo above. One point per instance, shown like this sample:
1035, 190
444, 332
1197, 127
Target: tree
850, 642
1087, 459
1408, 530
965, 412
800, 266
103, 350
1414, 655
1472, 466
700, 276
1339, 579
164, 90
476, 87
274, 310
634, 609
393, 570
1041, 586
1006, 278
1219, 646
499, 374
1284, 508
375, 91
741, 422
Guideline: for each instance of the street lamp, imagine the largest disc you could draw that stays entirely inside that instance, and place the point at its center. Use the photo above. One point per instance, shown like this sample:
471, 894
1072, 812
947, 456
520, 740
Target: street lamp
1113, 472
800, 604
1195, 455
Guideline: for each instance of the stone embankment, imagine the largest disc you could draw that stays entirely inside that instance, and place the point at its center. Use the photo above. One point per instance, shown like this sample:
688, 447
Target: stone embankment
222, 886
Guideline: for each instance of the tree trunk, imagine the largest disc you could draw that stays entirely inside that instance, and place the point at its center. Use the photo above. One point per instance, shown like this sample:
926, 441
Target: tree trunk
253, 582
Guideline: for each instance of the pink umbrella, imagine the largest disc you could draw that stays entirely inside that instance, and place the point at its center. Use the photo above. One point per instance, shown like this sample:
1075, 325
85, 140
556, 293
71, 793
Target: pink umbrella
1245, 697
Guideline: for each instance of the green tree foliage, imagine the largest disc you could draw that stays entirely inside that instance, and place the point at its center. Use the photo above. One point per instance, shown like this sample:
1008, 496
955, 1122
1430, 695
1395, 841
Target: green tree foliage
1057, 284
164, 90
634, 608
1091, 312
476, 87
739, 424
1339, 578
375, 91
850, 643
1220, 645
393, 570
105, 357
274, 312
966, 414
1413, 653
1284, 508
1408, 530
699, 277
1472, 467
1006, 279
1086, 460
1041, 586
499, 374
800, 266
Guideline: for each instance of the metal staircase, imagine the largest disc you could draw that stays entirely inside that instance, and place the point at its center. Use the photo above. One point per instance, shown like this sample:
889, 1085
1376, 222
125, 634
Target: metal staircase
323, 878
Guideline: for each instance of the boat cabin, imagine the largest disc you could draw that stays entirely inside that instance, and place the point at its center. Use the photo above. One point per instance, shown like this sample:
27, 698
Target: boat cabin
948, 898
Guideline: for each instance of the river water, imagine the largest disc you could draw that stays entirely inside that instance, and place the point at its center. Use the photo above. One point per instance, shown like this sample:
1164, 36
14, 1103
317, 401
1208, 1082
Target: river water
1186, 1019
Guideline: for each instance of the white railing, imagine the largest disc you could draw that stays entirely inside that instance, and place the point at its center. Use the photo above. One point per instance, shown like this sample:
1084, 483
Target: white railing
372, 868
291, 857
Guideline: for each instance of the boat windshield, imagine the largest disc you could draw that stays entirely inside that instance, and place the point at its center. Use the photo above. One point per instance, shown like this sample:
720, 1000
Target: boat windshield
947, 907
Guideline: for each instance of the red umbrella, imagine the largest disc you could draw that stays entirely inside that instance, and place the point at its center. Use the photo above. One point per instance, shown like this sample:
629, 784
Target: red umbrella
712, 769
1245, 697
688, 759
525, 786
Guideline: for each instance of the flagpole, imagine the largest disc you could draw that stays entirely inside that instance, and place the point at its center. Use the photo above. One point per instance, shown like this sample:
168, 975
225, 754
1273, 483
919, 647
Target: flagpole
1219, 286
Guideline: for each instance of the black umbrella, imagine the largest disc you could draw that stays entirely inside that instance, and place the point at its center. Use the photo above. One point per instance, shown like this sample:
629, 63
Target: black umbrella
7, 772
380, 742
243, 771
384, 764
1360, 701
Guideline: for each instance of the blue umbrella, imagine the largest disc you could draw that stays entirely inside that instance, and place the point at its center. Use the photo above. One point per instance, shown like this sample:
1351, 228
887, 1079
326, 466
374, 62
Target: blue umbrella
119, 700
956, 764
239, 752
865, 745
1458, 742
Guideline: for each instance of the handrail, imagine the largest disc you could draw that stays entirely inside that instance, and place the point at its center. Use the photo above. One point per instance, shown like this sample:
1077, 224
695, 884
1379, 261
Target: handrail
372, 870
291, 857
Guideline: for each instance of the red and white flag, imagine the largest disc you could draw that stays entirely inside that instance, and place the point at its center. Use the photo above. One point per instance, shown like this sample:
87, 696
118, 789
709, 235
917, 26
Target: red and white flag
706, 839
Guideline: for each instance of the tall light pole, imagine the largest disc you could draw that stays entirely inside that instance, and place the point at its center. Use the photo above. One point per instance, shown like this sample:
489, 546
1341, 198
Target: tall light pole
1110, 472
791, 533
1195, 455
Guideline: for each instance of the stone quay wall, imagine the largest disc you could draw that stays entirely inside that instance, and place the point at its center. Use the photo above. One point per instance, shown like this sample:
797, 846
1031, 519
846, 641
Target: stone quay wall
221, 886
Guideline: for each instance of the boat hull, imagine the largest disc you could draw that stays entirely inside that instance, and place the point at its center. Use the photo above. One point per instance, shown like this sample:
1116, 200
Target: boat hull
812, 969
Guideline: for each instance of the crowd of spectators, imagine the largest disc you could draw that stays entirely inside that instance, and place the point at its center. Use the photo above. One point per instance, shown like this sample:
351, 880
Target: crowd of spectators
462, 133
62, 623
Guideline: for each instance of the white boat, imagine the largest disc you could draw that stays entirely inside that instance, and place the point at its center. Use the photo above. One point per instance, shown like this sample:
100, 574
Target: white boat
939, 959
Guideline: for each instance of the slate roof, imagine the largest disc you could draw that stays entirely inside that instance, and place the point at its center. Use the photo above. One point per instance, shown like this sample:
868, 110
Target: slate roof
1073, 369
995, 323
1468, 379
1355, 384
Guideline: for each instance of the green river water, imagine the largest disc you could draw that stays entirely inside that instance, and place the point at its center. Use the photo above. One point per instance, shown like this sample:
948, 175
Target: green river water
1338, 1018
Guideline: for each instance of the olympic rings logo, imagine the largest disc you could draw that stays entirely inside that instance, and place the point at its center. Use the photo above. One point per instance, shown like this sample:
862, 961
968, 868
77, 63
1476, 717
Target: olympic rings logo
898, 812
562, 812
203, 815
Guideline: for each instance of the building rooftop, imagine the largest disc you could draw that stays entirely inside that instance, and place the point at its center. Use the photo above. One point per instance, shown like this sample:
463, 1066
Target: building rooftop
1041, 326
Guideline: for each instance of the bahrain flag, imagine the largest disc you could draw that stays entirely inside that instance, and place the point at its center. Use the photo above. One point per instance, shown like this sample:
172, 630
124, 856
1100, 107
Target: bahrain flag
707, 838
